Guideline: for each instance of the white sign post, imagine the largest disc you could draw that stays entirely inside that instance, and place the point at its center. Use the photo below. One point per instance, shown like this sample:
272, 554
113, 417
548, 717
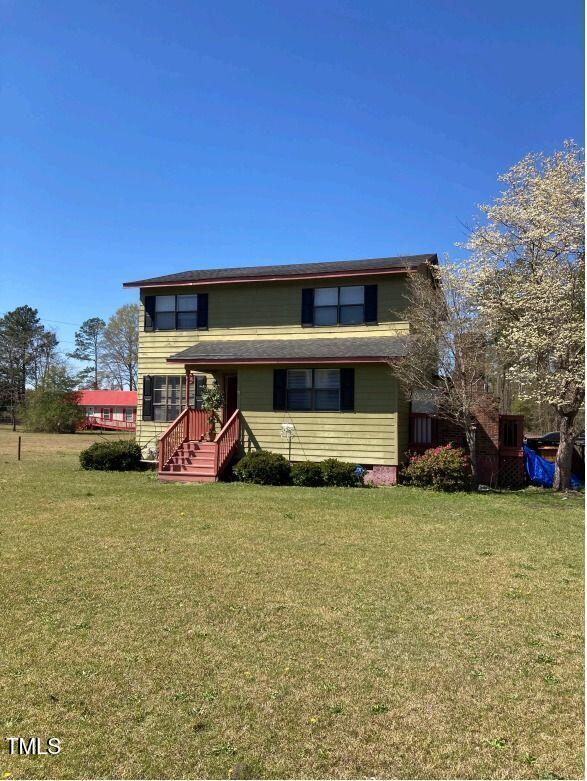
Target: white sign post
287, 432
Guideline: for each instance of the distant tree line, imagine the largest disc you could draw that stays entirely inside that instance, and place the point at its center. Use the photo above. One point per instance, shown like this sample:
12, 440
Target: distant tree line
38, 384
110, 350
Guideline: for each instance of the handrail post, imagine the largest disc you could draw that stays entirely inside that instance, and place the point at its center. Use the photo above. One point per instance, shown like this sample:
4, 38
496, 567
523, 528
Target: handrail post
187, 403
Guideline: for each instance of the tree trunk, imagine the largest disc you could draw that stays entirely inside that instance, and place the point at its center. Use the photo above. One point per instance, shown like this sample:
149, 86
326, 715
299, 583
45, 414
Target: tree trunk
564, 455
470, 436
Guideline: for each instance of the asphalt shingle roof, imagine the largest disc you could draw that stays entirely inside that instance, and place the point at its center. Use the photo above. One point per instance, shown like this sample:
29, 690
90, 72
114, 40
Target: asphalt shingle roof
289, 270
292, 350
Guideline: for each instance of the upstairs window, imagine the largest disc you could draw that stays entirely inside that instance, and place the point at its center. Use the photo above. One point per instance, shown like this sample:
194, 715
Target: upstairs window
339, 305
176, 313
348, 305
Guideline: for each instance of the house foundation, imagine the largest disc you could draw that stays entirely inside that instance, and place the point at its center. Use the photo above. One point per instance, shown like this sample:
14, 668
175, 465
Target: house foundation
381, 475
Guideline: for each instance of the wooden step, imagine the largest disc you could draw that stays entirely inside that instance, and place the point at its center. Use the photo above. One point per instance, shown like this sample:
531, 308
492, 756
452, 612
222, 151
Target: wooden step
192, 462
186, 477
179, 458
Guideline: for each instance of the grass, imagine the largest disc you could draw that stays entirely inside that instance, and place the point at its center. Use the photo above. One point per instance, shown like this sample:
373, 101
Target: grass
167, 631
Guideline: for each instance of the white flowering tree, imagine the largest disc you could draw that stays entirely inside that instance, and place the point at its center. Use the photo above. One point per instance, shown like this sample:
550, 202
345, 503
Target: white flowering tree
529, 260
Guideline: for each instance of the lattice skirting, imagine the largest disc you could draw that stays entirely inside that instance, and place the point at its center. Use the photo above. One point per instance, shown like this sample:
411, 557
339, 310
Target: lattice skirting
511, 472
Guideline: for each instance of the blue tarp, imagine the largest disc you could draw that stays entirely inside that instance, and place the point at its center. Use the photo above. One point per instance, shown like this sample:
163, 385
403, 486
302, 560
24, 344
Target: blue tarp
541, 472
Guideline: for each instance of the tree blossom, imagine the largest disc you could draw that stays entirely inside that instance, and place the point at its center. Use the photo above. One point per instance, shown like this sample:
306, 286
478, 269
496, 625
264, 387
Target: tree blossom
528, 262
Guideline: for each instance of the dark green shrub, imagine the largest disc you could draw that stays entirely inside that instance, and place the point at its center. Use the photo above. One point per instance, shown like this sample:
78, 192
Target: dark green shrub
117, 456
341, 474
307, 473
444, 468
53, 411
263, 468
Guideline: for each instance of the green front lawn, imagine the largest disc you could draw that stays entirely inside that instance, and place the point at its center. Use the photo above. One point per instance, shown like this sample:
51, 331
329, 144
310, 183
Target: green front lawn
168, 631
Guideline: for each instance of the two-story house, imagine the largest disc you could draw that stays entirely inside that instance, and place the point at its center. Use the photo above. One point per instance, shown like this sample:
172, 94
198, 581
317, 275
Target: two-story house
311, 345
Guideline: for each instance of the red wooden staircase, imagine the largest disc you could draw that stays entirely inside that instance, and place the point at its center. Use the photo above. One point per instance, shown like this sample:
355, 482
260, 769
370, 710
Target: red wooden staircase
185, 457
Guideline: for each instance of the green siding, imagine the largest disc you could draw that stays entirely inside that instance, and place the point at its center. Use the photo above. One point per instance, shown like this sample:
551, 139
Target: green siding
368, 435
273, 310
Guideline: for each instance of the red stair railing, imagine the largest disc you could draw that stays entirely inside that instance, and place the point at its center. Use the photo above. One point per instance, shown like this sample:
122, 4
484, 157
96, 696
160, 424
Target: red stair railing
193, 425
173, 438
226, 441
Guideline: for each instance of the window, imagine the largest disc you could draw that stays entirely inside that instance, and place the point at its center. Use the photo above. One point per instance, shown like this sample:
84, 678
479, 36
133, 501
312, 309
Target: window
128, 414
169, 396
313, 389
89, 412
106, 413
176, 313
339, 305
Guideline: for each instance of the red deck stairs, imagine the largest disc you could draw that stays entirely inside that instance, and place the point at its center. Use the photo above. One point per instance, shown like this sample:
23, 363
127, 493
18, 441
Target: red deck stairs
185, 457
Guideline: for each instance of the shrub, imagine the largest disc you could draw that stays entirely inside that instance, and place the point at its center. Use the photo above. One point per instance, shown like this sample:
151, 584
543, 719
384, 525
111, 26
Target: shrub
52, 411
444, 468
307, 473
117, 456
263, 468
341, 474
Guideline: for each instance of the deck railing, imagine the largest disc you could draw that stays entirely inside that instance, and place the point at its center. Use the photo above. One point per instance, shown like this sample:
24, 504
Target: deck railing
198, 425
93, 421
173, 438
423, 431
226, 441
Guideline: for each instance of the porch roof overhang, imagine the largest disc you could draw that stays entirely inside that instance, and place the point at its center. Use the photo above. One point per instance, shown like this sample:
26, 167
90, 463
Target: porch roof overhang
341, 350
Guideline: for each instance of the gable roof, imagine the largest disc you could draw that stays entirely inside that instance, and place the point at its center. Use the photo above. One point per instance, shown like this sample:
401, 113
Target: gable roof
362, 349
112, 398
327, 269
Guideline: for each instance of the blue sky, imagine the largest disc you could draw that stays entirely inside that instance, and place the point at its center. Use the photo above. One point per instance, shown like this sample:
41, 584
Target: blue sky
143, 138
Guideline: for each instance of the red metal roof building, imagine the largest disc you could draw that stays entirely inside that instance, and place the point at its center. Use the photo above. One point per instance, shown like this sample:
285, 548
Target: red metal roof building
109, 409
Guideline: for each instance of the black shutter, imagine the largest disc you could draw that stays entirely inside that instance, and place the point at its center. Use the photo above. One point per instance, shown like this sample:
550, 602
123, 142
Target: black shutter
150, 313
347, 390
279, 389
370, 303
203, 311
308, 306
147, 398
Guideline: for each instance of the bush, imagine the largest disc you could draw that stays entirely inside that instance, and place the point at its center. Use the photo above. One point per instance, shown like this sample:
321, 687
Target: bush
52, 411
444, 468
263, 468
307, 473
117, 456
339, 473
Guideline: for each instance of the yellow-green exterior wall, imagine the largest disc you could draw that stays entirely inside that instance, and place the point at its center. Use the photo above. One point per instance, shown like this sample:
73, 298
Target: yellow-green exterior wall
273, 311
366, 436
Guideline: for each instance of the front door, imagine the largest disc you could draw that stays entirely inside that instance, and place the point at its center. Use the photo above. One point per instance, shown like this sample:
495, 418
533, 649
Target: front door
230, 395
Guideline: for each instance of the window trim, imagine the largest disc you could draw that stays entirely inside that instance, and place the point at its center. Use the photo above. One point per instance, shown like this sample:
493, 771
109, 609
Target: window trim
313, 390
176, 312
338, 306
